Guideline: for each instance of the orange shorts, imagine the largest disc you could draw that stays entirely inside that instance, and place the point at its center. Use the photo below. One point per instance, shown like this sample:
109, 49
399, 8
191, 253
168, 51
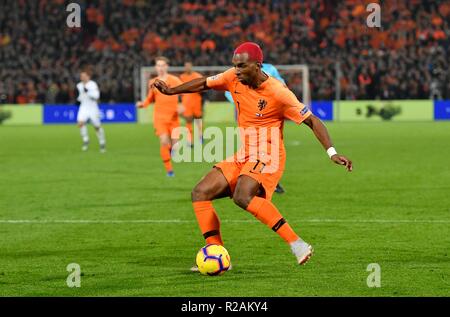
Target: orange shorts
193, 109
233, 169
167, 127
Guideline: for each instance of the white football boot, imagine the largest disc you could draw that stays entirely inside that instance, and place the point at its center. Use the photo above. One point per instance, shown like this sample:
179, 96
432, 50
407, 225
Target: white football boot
302, 251
194, 268
85, 146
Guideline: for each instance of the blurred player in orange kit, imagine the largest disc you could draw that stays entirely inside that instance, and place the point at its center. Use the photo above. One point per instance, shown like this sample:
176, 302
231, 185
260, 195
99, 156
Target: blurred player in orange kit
192, 104
251, 175
165, 115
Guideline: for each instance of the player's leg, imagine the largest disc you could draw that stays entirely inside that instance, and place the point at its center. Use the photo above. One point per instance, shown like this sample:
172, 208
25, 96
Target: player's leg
165, 147
250, 195
84, 135
189, 124
188, 117
198, 120
101, 137
163, 131
212, 186
95, 120
82, 119
279, 189
175, 132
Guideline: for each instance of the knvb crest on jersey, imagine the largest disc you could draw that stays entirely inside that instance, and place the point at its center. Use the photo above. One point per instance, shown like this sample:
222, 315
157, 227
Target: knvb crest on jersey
262, 104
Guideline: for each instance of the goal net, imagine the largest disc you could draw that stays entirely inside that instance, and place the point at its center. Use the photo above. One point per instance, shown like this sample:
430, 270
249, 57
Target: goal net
296, 77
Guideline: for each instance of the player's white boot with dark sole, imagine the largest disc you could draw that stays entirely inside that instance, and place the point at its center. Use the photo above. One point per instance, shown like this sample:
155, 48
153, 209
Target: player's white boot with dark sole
194, 268
302, 251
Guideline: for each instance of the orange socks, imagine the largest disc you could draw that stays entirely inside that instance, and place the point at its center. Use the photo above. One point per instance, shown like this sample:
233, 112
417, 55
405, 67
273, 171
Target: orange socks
165, 156
261, 208
268, 214
208, 221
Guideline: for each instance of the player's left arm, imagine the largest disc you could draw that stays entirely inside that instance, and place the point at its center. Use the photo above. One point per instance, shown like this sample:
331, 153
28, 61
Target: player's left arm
321, 133
92, 91
298, 112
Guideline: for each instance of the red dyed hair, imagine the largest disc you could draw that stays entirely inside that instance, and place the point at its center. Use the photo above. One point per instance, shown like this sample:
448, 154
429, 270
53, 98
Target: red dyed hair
252, 49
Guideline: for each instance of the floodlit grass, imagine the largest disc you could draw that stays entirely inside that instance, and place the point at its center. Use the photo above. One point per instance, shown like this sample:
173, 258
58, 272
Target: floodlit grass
394, 210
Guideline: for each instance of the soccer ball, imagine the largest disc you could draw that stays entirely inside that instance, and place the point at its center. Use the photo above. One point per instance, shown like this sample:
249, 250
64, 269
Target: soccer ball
213, 259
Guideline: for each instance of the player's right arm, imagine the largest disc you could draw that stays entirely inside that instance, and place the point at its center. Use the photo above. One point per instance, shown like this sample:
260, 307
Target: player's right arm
195, 85
217, 82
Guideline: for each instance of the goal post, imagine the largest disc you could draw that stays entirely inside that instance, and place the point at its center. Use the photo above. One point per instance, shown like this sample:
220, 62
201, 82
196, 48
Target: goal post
300, 84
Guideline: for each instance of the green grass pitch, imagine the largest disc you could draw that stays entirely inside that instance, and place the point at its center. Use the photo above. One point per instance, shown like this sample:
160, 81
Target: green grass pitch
393, 209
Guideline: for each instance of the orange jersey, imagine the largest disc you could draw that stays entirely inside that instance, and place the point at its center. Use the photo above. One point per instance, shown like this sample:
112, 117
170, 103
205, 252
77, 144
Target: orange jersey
165, 105
191, 100
265, 107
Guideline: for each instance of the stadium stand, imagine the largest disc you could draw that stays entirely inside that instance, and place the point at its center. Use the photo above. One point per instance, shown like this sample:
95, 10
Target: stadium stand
40, 56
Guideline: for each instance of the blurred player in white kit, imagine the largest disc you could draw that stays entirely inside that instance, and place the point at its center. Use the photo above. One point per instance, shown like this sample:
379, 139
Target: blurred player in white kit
88, 95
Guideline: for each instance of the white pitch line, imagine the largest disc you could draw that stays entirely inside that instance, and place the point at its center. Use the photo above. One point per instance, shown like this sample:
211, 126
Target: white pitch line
378, 220
144, 221
93, 221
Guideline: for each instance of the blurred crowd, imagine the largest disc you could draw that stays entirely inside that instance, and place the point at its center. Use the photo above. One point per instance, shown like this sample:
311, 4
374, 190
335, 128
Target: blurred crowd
406, 58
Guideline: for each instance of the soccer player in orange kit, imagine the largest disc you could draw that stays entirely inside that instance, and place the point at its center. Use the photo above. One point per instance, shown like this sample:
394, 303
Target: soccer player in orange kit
192, 103
165, 115
262, 103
